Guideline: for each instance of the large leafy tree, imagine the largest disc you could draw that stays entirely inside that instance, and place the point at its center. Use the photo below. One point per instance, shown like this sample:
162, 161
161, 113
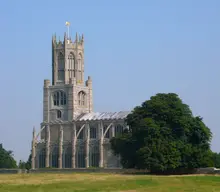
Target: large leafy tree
163, 136
6, 158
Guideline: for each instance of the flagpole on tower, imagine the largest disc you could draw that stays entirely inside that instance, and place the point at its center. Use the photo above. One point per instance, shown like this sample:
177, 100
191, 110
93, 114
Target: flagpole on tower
68, 26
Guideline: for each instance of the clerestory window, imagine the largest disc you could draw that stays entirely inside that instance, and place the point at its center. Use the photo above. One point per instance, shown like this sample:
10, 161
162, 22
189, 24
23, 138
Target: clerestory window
71, 61
93, 132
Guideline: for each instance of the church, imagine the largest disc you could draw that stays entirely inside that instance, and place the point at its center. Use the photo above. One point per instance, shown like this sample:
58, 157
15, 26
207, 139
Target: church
72, 135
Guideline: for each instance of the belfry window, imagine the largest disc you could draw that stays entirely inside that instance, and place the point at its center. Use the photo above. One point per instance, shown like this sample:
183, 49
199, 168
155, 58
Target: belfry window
59, 114
82, 98
61, 67
71, 61
80, 62
59, 98
80, 67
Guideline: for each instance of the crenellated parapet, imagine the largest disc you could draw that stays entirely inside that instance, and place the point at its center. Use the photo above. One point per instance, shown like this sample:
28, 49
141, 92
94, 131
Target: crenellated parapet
77, 42
67, 59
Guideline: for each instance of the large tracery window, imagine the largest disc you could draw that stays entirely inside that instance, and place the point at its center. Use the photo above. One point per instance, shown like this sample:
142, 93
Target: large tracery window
59, 98
82, 98
42, 157
68, 157
55, 157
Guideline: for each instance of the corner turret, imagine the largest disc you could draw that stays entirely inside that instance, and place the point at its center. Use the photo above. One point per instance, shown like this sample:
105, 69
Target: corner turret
89, 82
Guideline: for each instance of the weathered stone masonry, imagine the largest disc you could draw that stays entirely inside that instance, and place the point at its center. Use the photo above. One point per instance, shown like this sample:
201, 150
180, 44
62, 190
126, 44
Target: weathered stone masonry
71, 134
87, 140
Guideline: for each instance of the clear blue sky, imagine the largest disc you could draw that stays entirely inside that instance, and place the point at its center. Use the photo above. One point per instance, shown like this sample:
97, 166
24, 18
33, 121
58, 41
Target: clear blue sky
133, 50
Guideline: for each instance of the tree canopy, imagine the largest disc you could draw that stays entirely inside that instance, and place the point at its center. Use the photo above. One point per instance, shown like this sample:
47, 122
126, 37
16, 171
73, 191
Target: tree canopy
6, 158
163, 136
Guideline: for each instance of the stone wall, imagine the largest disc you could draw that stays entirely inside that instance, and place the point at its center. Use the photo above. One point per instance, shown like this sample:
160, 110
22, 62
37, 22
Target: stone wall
83, 170
208, 170
12, 171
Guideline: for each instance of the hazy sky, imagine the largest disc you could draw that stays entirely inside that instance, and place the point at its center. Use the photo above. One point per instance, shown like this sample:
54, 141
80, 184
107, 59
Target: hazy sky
133, 50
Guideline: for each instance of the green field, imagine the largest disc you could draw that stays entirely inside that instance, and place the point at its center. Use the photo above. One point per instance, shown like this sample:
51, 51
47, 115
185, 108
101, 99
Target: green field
107, 182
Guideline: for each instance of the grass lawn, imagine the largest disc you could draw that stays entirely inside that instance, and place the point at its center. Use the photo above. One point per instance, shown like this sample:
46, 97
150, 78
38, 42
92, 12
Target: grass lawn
106, 182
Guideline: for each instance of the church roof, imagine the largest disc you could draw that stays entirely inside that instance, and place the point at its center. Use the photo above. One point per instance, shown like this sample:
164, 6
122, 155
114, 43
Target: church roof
102, 116
95, 116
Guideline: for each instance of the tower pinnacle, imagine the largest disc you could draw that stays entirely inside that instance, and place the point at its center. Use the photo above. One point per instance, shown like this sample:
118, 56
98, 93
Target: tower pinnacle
77, 37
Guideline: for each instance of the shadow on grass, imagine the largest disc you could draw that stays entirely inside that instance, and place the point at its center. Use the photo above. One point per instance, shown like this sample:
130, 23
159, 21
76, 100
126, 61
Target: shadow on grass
167, 172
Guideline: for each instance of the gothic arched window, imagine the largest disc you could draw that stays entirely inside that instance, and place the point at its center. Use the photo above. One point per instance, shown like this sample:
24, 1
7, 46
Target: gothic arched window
60, 61
80, 62
60, 66
80, 66
71, 64
42, 158
81, 134
82, 98
59, 114
55, 157
93, 132
59, 98
119, 130
67, 157
107, 135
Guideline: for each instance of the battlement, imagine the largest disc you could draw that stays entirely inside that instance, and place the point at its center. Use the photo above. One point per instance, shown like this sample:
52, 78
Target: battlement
68, 75
77, 42
67, 59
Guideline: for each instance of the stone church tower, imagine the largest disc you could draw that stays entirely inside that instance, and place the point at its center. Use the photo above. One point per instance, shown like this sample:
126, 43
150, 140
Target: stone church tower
72, 135
69, 95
